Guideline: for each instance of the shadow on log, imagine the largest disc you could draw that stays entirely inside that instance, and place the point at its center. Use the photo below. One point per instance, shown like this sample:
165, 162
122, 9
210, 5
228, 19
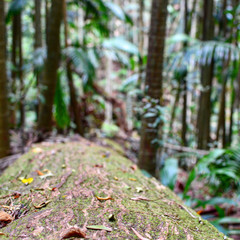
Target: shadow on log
82, 190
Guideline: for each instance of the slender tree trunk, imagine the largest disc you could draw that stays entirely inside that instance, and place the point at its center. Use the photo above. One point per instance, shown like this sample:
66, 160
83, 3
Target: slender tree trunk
4, 116
17, 72
109, 106
174, 108
141, 40
184, 112
51, 65
204, 112
20, 74
13, 107
38, 44
222, 115
153, 84
73, 96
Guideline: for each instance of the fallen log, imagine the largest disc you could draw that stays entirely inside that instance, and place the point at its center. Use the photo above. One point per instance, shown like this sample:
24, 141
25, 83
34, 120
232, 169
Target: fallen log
82, 190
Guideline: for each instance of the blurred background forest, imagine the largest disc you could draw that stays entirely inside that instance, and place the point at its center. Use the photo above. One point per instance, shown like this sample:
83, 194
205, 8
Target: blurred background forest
159, 77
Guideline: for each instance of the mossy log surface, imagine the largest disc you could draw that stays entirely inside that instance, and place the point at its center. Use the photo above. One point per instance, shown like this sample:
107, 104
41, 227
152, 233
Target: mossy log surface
79, 184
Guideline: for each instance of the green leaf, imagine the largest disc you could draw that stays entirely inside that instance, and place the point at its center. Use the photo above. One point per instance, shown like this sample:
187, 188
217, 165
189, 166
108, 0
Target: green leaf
119, 43
99, 227
169, 173
180, 37
215, 201
118, 12
61, 113
149, 115
228, 220
190, 179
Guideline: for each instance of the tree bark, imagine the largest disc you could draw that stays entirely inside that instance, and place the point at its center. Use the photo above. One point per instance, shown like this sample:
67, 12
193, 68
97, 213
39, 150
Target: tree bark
51, 65
153, 84
204, 112
4, 114
77, 116
38, 44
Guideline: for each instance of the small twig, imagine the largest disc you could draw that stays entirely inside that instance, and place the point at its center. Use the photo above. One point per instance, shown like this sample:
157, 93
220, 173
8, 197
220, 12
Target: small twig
139, 235
187, 211
63, 180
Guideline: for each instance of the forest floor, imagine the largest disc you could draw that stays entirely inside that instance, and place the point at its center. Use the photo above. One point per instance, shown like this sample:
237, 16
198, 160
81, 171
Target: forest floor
83, 189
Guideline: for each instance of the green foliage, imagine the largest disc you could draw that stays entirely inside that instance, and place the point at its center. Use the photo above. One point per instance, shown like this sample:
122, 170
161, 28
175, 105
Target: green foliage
221, 169
16, 7
201, 52
169, 173
84, 62
60, 108
110, 130
120, 44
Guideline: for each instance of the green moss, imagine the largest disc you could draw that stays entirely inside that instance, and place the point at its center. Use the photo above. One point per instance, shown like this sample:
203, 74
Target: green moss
96, 173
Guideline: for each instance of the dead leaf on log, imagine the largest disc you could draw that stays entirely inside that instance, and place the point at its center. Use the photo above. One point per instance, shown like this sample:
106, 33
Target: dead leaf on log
2, 234
39, 173
5, 218
98, 166
134, 167
73, 232
99, 227
43, 204
139, 235
133, 179
104, 199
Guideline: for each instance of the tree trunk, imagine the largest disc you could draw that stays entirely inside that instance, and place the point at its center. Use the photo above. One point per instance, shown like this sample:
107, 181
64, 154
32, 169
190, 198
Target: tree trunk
51, 65
185, 87
72, 91
140, 40
20, 73
204, 112
37, 45
153, 84
4, 114
96, 186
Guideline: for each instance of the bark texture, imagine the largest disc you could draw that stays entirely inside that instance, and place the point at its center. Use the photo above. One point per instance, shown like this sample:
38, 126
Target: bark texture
204, 112
153, 84
38, 44
74, 104
92, 185
51, 65
4, 114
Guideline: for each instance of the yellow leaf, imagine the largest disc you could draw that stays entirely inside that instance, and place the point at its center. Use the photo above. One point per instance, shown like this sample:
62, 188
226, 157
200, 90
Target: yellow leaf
37, 150
27, 180
132, 179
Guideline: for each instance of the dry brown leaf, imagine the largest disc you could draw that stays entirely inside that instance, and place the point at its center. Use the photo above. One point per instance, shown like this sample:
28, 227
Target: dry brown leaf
104, 199
73, 232
5, 217
134, 167
43, 204
2, 234
39, 173
98, 166
139, 235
